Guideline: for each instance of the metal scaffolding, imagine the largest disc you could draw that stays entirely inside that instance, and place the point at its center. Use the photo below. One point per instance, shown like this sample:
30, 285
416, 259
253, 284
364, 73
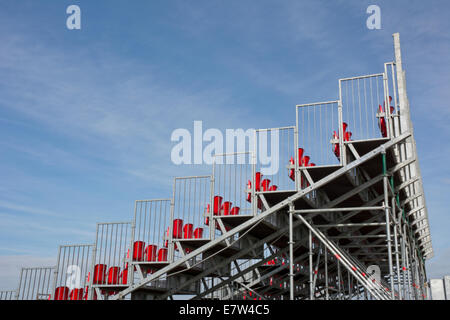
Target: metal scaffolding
344, 218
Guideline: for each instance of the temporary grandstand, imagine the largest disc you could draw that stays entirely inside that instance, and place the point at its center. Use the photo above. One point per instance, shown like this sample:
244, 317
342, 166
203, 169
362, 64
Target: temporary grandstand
344, 218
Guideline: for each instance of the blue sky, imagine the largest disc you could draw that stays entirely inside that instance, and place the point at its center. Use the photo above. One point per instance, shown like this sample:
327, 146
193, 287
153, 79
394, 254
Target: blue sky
86, 115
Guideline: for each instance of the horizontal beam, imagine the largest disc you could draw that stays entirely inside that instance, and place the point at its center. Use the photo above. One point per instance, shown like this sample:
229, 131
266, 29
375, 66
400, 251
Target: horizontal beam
339, 209
368, 224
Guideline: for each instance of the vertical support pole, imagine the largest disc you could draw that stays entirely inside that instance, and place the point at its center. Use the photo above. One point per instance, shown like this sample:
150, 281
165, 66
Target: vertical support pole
416, 276
339, 279
397, 262
212, 222
291, 252
55, 276
130, 271
387, 104
388, 224
91, 276
254, 160
20, 282
327, 295
316, 268
357, 291
402, 243
408, 274
349, 286
171, 255
342, 152
423, 278
311, 289
296, 159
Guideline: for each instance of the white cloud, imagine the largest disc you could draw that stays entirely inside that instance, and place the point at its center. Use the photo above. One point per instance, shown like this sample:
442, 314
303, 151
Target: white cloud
439, 265
11, 265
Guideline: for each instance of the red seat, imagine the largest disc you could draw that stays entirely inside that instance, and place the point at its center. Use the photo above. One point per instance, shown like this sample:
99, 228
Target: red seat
99, 274
304, 162
177, 228
225, 208
258, 177
273, 188
336, 145
249, 191
162, 254
113, 275
76, 294
217, 204
61, 293
188, 230
235, 211
198, 233
344, 127
382, 123
347, 136
138, 250
265, 184
292, 171
300, 154
166, 243
150, 252
124, 276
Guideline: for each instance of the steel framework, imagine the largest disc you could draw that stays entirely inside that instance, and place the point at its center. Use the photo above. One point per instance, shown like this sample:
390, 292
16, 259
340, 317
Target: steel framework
347, 221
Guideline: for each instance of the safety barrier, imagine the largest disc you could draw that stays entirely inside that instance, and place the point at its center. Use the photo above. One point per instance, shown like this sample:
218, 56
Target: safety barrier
71, 279
36, 283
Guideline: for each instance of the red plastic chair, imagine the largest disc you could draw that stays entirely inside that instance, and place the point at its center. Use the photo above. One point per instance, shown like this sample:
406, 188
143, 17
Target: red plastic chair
217, 204
198, 233
99, 274
188, 230
138, 250
61, 293
258, 177
226, 207
235, 211
265, 184
113, 275
150, 252
292, 171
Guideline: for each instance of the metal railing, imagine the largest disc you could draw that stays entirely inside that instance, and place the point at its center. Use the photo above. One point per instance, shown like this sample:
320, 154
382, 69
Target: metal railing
233, 178
364, 100
319, 136
111, 253
7, 295
35, 283
189, 217
150, 231
274, 150
71, 278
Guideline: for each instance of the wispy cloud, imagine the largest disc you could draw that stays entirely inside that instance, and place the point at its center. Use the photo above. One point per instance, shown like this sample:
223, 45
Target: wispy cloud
439, 266
28, 210
10, 266
80, 118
